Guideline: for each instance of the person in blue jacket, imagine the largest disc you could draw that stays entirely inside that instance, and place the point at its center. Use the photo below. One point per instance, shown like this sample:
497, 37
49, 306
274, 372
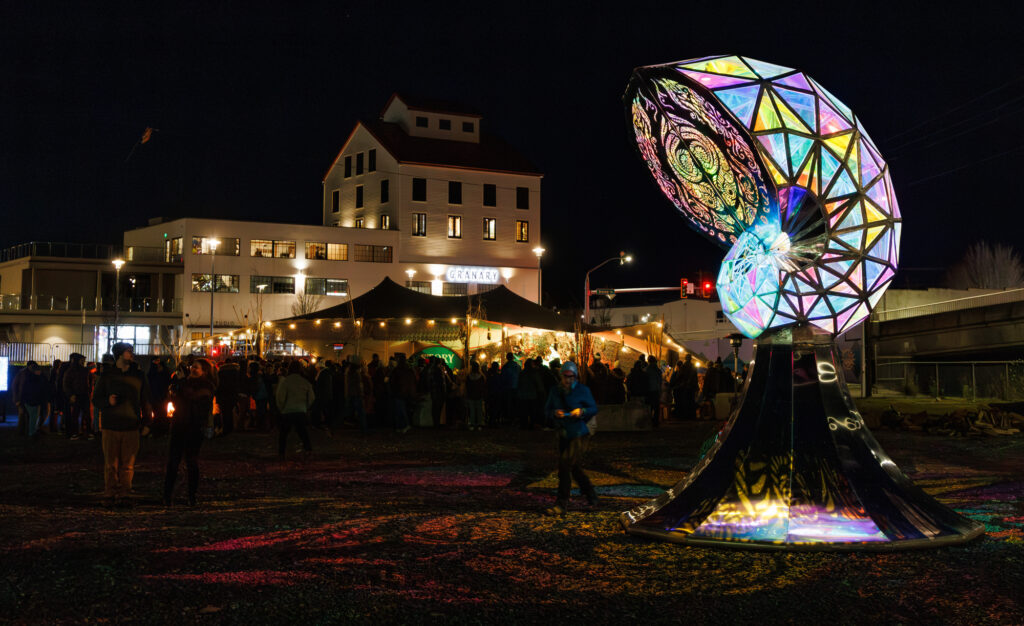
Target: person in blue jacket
571, 407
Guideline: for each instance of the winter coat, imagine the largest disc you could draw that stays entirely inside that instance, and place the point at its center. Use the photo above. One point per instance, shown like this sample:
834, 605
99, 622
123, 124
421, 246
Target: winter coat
132, 393
294, 394
476, 386
193, 404
76, 382
35, 390
578, 397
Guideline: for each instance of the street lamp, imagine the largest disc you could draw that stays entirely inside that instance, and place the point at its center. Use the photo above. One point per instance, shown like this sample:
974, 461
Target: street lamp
623, 258
118, 263
213, 243
539, 252
410, 273
735, 340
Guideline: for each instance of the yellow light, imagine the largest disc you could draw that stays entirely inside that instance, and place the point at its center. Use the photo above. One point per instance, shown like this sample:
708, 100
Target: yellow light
317, 322
209, 342
625, 349
337, 324
268, 324
618, 332
408, 321
639, 332
482, 356
382, 324
291, 326
359, 322
430, 322
170, 409
658, 324
453, 320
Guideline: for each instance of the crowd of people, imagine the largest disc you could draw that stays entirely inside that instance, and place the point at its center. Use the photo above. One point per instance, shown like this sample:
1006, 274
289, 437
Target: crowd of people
198, 399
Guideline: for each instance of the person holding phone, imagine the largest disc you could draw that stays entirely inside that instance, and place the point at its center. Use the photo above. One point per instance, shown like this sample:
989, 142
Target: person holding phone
571, 407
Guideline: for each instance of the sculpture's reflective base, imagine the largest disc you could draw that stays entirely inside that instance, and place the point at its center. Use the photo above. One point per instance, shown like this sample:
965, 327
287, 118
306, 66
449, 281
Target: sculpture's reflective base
795, 468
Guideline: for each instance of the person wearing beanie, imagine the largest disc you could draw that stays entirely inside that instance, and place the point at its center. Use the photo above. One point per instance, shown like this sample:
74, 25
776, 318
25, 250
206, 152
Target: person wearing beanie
571, 407
121, 396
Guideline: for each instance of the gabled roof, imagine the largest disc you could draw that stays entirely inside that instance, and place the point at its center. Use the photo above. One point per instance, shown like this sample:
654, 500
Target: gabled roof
428, 105
389, 300
491, 154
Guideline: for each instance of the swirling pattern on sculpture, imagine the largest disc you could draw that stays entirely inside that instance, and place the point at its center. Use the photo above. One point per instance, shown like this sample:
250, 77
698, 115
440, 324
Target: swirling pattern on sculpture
765, 161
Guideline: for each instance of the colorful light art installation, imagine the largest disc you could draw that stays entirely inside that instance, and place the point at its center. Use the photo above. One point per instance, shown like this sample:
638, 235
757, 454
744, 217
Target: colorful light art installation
773, 167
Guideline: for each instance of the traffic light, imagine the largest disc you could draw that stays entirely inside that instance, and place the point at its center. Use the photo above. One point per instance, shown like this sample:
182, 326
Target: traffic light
684, 284
706, 289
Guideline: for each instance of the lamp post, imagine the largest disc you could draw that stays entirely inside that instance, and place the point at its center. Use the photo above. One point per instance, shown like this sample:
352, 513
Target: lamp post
260, 337
410, 273
539, 252
213, 243
118, 263
735, 340
623, 258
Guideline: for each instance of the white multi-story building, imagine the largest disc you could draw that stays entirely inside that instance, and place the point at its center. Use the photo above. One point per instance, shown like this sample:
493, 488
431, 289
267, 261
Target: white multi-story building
455, 196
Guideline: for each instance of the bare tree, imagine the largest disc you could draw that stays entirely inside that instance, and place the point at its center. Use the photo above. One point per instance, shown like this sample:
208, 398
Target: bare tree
306, 303
987, 266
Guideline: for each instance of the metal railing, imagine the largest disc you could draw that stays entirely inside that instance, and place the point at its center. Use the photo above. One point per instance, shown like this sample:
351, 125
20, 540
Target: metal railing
150, 254
946, 306
44, 302
59, 249
951, 379
44, 353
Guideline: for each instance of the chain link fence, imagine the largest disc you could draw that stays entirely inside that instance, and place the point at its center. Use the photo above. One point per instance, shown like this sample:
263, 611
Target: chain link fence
952, 379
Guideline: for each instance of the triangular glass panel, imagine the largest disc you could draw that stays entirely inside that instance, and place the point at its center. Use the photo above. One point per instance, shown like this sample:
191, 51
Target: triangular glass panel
839, 144
715, 81
853, 161
874, 297
881, 249
868, 168
892, 198
873, 214
815, 183
789, 119
820, 310
884, 278
807, 303
843, 185
829, 121
828, 279
845, 287
836, 102
853, 217
856, 278
766, 70
897, 232
841, 303
802, 103
872, 271
775, 145
777, 176
829, 166
878, 194
798, 80
853, 239
798, 149
740, 101
767, 118
730, 66
844, 317
873, 233
803, 179
828, 325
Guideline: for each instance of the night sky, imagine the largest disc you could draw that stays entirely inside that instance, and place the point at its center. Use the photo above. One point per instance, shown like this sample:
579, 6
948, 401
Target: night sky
253, 102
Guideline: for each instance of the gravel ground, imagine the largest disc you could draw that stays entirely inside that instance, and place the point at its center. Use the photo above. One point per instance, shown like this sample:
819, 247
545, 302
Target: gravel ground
445, 526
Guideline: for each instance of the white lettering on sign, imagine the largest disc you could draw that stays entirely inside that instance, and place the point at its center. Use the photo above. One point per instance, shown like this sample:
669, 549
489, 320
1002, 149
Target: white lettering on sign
460, 274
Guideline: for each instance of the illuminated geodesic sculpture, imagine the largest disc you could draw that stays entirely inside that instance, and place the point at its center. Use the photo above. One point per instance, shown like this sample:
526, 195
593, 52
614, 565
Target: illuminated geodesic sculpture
777, 170
818, 190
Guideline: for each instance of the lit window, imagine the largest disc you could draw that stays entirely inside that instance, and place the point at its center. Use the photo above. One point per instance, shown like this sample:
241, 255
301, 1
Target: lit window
522, 231
316, 251
172, 250
419, 224
359, 196
226, 246
271, 284
385, 222
326, 287
372, 254
454, 192
422, 286
335, 201
226, 283
359, 222
454, 289
337, 252
490, 229
455, 227
284, 249
261, 248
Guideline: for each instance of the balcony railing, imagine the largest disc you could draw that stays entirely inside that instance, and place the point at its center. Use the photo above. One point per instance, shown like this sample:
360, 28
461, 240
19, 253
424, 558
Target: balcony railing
16, 303
58, 249
150, 254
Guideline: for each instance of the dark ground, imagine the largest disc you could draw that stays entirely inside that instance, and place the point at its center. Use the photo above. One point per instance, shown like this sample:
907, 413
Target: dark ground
445, 526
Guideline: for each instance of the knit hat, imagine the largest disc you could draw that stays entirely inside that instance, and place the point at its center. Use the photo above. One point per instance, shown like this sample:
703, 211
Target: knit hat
569, 366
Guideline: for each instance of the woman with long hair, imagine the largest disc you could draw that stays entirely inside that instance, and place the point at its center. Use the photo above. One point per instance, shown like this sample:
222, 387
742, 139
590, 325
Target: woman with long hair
192, 414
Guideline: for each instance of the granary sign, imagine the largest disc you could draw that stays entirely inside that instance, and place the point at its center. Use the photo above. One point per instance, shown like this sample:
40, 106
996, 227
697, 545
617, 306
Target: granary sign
463, 274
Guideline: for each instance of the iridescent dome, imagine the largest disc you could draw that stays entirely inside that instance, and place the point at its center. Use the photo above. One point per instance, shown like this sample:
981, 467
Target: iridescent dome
765, 161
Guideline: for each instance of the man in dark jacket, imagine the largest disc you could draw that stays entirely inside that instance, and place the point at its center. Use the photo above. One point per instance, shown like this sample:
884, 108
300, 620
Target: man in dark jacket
572, 408
229, 388
76, 389
34, 394
121, 397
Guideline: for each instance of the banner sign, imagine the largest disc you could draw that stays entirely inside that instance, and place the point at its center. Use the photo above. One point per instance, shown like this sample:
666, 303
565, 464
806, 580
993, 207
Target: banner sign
464, 274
